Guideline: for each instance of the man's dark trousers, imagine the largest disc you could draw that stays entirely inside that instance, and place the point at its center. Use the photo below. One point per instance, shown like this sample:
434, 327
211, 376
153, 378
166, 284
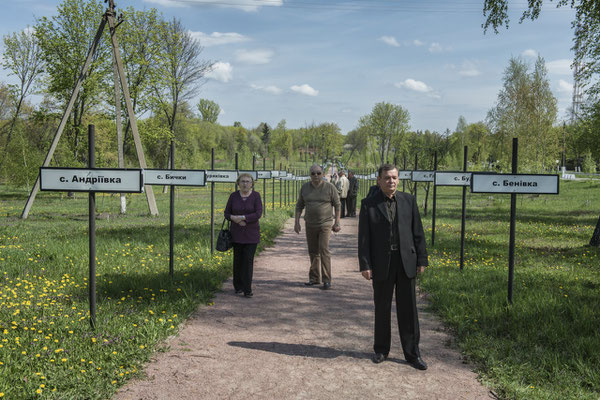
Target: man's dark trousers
343, 203
406, 310
351, 205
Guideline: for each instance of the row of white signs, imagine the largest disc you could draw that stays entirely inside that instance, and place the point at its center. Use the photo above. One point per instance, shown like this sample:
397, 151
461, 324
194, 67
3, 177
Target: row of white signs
132, 180
483, 182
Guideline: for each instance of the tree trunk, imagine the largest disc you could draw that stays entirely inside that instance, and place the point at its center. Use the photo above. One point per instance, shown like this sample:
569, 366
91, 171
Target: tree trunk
595, 240
10, 131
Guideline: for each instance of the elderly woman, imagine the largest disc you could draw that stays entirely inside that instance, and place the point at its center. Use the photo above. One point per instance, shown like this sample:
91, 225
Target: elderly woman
244, 209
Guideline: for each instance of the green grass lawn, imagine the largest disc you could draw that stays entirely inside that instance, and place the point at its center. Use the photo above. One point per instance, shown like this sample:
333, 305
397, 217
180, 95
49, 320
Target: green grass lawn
546, 345
47, 347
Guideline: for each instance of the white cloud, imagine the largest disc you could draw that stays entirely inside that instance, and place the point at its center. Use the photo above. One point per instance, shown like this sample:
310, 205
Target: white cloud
560, 67
436, 47
529, 53
221, 71
261, 56
469, 69
305, 89
269, 89
564, 86
417, 42
246, 5
218, 38
414, 85
389, 40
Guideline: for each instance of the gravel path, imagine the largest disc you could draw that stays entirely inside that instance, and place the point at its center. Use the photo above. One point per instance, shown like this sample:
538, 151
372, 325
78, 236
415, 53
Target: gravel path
291, 341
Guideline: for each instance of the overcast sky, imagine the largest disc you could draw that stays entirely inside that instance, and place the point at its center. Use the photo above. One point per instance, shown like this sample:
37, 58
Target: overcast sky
314, 61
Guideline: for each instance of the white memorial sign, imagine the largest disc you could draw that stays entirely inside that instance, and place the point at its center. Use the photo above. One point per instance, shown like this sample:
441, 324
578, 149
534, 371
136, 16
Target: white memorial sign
514, 183
422, 176
404, 175
221, 176
264, 174
252, 173
180, 177
448, 178
91, 180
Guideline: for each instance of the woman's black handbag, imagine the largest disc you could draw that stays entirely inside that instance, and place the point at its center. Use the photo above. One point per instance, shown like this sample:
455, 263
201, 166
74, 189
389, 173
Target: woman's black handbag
224, 240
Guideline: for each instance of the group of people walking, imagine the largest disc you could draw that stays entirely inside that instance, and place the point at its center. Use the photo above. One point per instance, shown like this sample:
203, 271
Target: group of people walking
391, 245
347, 188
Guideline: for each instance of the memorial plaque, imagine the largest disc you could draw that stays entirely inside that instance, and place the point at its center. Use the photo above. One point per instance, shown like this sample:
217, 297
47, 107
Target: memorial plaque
404, 175
253, 173
514, 183
450, 178
264, 174
179, 177
221, 176
422, 176
91, 180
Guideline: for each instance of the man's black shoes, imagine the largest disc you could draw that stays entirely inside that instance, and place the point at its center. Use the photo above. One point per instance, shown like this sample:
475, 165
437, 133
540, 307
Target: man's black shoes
379, 358
418, 363
311, 283
326, 285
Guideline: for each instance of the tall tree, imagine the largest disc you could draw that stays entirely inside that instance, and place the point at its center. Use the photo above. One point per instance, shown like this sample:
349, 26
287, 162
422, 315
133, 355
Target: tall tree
526, 108
265, 136
586, 25
544, 112
386, 121
22, 58
179, 69
209, 110
65, 40
139, 43
357, 140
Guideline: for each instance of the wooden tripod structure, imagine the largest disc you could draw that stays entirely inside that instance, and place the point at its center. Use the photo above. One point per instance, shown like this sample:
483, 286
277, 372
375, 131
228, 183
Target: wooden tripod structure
107, 18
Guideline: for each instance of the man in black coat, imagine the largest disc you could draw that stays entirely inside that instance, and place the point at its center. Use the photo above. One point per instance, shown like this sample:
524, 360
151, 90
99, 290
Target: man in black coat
352, 194
391, 252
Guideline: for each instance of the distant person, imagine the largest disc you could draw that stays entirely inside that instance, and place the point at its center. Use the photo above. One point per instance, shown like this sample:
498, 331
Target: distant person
391, 252
342, 186
320, 200
244, 209
352, 194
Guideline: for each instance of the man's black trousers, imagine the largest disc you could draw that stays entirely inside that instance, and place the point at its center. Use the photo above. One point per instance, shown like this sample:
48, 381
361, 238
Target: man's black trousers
351, 205
406, 310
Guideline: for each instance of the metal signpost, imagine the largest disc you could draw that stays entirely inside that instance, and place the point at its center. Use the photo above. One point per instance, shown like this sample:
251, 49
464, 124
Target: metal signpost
91, 180
174, 177
514, 184
435, 166
457, 179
